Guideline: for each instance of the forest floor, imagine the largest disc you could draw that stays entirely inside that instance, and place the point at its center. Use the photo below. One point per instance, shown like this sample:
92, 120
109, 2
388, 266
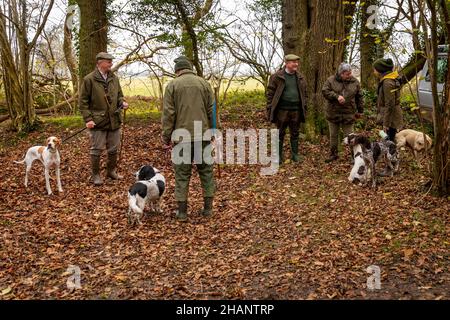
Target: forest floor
304, 233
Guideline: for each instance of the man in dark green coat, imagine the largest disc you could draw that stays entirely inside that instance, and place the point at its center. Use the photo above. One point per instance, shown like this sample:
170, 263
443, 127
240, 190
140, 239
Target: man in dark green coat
187, 115
100, 101
343, 93
287, 103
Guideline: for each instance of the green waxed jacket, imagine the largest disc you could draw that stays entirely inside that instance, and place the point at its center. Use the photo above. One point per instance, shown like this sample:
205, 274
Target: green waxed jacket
93, 104
350, 89
187, 98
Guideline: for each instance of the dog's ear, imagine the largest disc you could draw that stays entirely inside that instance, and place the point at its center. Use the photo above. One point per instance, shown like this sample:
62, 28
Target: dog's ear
146, 173
362, 140
58, 141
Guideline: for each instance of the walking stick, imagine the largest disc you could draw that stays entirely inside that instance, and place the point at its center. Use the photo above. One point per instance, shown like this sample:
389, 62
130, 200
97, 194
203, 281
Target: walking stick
122, 137
215, 117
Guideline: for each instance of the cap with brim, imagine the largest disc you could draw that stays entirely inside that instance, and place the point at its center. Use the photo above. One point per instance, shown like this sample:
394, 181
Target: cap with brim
104, 56
291, 57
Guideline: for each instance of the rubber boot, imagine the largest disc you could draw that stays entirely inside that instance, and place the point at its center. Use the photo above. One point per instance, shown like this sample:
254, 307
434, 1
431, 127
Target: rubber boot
280, 152
181, 213
111, 167
333, 155
208, 207
294, 151
95, 164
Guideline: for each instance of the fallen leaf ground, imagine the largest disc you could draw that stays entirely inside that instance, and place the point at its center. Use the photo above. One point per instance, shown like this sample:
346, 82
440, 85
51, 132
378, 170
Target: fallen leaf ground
305, 233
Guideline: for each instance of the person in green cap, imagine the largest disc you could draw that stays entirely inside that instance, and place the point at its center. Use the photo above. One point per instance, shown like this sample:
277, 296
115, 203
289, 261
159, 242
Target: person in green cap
343, 93
389, 112
187, 112
99, 102
287, 103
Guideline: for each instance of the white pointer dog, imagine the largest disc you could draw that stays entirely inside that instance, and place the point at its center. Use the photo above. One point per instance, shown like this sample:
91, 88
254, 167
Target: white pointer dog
149, 188
49, 156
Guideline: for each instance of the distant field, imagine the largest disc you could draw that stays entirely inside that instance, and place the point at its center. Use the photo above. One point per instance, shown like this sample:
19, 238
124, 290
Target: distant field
143, 86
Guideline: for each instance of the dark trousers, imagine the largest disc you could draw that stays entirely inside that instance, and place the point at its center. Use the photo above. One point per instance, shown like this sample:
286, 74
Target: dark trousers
291, 119
391, 134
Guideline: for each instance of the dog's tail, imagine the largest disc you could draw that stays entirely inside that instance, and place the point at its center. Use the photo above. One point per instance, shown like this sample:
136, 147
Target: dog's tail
132, 202
20, 162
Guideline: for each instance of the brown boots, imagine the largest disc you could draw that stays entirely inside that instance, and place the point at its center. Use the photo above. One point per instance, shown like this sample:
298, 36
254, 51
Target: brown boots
333, 155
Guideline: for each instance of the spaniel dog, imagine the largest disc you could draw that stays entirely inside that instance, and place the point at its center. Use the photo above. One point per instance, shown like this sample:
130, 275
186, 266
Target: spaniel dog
149, 188
372, 152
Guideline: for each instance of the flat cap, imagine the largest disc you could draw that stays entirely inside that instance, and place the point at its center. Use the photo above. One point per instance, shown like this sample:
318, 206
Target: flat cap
104, 56
291, 57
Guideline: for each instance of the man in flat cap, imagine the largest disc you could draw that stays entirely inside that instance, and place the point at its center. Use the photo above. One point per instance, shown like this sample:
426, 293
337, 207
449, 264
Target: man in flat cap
287, 103
100, 102
187, 115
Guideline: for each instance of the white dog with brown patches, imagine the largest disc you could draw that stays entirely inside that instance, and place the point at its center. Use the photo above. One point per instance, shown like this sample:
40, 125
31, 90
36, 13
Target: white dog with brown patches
49, 156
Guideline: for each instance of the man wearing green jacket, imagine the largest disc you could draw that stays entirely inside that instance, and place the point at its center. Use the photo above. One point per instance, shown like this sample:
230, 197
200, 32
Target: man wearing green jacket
188, 103
100, 101
287, 103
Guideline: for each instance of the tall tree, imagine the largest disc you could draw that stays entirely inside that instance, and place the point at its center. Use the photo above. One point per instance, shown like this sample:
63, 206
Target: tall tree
71, 61
369, 49
318, 32
441, 109
16, 50
93, 34
182, 22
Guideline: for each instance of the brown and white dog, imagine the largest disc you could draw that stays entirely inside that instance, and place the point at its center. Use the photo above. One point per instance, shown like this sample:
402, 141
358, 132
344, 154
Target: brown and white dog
413, 140
49, 156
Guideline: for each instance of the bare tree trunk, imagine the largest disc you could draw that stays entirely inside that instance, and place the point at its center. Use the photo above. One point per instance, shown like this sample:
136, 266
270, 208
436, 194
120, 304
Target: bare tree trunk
317, 31
68, 47
368, 48
16, 67
93, 33
188, 34
441, 114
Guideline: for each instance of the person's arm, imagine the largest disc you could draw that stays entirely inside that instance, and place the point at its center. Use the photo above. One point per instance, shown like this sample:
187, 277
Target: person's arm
168, 116
305, 94
84, 100
270, 92
359, 100
328, 93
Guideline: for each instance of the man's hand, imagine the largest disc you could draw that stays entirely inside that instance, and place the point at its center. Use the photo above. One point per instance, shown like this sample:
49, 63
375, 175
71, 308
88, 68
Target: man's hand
341, 99
90, 124
124, 105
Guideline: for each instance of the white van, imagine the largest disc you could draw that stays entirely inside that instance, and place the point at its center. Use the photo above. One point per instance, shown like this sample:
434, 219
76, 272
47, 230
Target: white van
425, 95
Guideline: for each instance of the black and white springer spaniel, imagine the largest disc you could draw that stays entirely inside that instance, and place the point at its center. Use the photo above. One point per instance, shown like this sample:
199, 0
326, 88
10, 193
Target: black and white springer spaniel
372, 152
149, 188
